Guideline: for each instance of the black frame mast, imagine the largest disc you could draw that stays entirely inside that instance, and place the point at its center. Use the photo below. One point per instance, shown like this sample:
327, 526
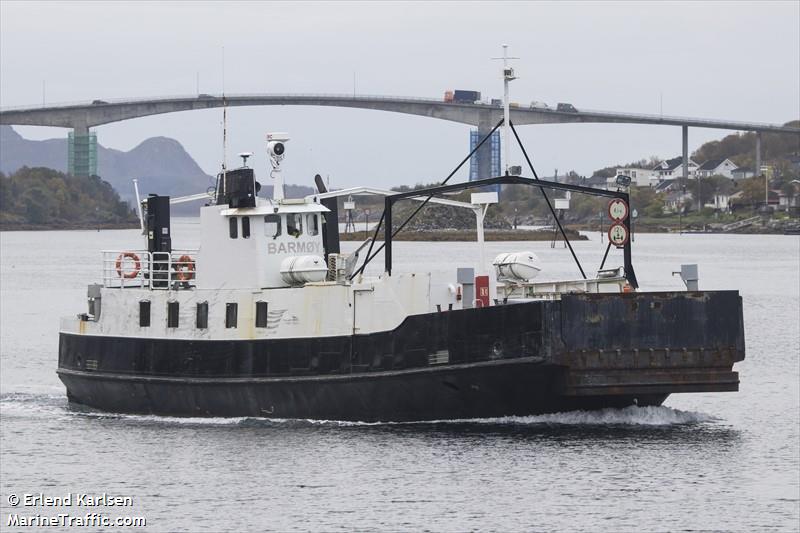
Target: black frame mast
389, 201
386, 217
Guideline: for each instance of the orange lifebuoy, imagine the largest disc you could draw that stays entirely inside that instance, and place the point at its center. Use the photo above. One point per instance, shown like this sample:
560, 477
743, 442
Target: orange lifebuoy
137, 265
184, 268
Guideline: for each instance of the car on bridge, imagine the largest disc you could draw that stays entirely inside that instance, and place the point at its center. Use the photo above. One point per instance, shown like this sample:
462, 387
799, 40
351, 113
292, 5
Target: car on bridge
568, 108
539, 105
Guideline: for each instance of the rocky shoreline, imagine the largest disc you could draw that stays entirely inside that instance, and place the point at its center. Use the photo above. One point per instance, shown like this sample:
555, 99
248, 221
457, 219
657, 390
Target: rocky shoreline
67, 227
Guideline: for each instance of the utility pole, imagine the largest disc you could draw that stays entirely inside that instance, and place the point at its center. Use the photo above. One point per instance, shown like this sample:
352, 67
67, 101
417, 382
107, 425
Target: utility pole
766, 189
600, 218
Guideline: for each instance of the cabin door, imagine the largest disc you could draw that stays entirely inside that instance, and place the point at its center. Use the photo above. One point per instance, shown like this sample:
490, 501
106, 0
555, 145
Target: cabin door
362, 310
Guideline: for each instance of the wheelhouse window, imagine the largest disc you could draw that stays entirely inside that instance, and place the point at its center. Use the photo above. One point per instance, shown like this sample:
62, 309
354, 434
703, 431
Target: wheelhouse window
294, 224
172, 314
144, 314
245, 227
231, 314
202, 315
272, 226
233, 227
261, 314
312, 223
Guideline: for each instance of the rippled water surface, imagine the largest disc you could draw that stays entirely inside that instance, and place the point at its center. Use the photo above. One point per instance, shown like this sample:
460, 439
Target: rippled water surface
727, 461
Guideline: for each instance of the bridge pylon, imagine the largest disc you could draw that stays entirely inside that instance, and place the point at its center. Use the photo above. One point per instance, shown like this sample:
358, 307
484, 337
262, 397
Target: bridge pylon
82, 152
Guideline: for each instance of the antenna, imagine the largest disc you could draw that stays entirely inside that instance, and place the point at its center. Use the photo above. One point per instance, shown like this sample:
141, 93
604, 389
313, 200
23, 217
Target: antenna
244, 156
224, 125
224, 138
508, 75
138, 204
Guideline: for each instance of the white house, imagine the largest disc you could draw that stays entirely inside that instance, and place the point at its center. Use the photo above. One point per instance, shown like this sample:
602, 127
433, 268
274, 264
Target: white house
717, 167
640, 177
742, 173
789, 201
720, 202
721, 198
673, 168
668, 185
677, 200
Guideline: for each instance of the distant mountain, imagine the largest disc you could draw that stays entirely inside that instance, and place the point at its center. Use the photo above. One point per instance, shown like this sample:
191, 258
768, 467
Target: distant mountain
161, 165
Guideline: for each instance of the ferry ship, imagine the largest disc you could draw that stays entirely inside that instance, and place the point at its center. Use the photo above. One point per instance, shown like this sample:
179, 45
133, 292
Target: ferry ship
269, 318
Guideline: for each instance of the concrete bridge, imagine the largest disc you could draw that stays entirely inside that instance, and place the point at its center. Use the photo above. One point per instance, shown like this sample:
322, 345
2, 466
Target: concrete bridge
82, 116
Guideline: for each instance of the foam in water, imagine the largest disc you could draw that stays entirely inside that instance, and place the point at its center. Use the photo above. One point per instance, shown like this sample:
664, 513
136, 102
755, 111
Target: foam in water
627, 416
55, 405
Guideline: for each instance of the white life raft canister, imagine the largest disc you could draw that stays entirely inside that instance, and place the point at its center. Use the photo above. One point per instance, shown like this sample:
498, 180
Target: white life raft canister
522, 266
301, 269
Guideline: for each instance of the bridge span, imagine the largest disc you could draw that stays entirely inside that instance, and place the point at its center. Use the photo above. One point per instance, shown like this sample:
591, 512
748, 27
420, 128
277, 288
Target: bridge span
80, 117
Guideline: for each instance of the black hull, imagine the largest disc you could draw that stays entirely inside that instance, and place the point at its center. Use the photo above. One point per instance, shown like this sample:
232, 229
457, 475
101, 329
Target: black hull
480, 390
582, 352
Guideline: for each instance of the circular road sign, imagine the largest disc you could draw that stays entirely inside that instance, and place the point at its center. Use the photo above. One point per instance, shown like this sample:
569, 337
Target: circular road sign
617, 209
618, 235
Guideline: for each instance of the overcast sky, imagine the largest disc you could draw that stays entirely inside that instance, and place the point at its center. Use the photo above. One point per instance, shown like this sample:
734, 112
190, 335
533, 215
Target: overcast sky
736, 61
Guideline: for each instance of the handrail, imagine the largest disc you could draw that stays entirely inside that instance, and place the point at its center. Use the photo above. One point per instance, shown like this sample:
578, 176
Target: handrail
173, 270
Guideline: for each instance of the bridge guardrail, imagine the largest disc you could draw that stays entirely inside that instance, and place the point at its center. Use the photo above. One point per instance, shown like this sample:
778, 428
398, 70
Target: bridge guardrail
195, 97
400, 99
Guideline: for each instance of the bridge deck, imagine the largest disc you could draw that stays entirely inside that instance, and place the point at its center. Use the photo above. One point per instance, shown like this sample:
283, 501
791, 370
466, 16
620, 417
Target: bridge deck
99, 112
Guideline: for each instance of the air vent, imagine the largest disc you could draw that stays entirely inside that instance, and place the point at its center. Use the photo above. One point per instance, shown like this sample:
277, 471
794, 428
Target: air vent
439, 358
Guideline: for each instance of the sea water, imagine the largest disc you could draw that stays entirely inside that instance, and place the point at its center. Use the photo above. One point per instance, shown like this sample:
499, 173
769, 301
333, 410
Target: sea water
722, 461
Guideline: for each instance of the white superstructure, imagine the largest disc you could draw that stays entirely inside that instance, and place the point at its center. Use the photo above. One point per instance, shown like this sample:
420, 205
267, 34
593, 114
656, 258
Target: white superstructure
262, 271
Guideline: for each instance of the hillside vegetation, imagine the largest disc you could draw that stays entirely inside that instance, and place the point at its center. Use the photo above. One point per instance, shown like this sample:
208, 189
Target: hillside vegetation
741, 148
778, 152
39, 198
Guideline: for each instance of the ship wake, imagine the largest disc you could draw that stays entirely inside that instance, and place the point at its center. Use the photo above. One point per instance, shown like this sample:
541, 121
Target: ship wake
33, 405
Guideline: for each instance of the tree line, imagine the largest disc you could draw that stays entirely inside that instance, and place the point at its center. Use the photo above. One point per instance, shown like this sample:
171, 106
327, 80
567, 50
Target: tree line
45, 197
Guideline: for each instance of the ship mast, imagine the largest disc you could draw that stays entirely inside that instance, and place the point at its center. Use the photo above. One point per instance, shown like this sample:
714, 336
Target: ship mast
276, 149
508, 75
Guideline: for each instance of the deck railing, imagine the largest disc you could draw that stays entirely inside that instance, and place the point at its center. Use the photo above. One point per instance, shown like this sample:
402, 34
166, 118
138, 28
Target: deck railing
608, 281
152, 270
